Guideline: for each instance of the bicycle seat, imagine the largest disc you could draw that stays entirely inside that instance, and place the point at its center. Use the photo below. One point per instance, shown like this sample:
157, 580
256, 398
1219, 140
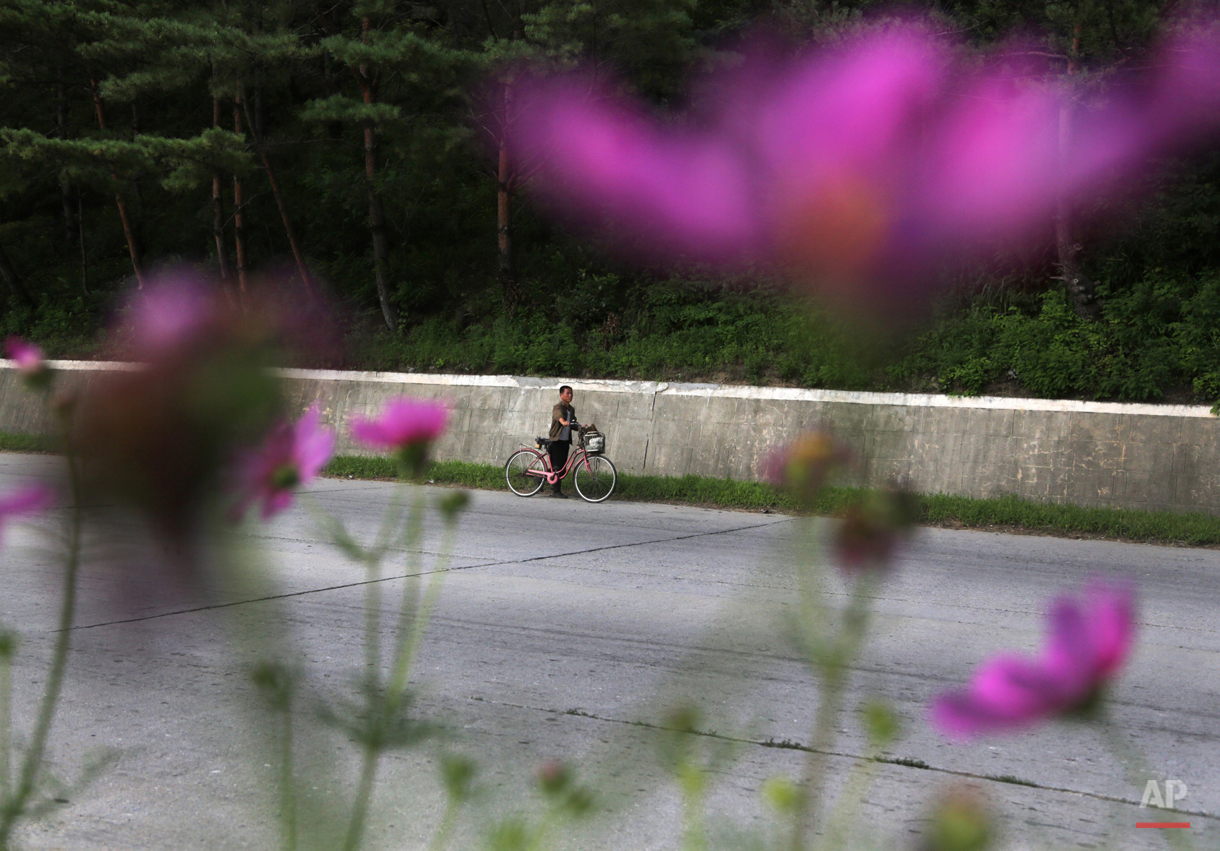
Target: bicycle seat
542, 441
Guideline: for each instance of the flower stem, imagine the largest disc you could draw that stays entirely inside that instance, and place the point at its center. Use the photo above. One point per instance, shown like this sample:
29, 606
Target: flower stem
813, 775
849, 799
694, 786
833, 671
288, 804
411, 629
14, 806
372, 591
410, 635
448, 821
364, 792
372, 624
6, 726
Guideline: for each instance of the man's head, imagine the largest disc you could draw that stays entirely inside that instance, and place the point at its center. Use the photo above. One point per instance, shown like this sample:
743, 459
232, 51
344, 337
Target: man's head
565, 394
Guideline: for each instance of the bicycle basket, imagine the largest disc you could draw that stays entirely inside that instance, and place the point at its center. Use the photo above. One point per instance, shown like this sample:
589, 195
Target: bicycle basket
594, 442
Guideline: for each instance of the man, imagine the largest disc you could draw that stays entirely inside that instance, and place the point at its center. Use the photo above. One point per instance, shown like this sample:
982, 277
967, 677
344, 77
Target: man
563, 421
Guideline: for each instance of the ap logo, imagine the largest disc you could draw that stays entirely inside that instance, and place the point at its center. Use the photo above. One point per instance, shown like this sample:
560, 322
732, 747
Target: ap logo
1175, 790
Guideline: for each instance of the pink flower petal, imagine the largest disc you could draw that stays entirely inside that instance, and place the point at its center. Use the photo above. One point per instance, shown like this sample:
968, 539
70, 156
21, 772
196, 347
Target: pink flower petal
870, 162
25, 354
404, 422
28, 499
1088, 642
685, 190
289, 456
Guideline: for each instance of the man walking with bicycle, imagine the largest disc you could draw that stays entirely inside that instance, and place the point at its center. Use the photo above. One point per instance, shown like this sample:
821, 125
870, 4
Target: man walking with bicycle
528, 468
563, 423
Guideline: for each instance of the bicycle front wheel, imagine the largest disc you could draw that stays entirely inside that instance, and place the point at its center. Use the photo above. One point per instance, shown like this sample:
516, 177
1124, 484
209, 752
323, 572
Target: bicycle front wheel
595, 478
525, 472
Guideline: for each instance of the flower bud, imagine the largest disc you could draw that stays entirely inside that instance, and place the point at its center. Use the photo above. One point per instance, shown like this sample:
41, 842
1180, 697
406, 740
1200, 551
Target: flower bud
961, 821
30, 363
803, 466
872, 528
553, 777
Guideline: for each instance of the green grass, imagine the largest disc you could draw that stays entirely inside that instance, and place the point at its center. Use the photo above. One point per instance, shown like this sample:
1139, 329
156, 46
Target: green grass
1006, 513
27, 443
903, 760
1008, 778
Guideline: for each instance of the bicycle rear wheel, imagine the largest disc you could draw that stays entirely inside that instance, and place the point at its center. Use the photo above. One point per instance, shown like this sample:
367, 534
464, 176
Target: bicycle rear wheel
525, 472
595, 478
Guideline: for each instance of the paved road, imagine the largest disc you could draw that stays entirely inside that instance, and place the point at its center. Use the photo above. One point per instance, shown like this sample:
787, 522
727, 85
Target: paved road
567, 630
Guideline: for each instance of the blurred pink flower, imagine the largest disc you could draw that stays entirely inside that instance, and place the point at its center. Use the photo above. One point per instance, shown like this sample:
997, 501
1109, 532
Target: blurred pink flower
1088, 643
25, 500
403, 424
291, 455
25, 354
871, 530
171, 315
804, 465
161, 438
870, 162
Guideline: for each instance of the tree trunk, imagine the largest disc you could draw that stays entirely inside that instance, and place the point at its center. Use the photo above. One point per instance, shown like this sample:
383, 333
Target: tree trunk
504, 200
13, 280
381, 251
65, 186
80, 231
136, 188
302, 269
509, 289
1080, 288
128, 231
293, 242
239, 210
218, 211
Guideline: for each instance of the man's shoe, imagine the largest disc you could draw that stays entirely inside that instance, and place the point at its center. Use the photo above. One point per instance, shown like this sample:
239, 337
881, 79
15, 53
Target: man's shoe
559, 494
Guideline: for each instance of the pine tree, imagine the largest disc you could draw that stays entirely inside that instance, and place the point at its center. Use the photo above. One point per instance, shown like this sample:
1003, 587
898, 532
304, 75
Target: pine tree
235, 49
379, 43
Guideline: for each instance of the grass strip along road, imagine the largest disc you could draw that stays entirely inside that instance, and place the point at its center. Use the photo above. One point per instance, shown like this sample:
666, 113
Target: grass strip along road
1006, 513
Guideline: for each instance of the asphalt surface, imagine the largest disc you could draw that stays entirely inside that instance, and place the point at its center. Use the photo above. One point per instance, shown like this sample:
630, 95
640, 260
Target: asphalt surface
570, 631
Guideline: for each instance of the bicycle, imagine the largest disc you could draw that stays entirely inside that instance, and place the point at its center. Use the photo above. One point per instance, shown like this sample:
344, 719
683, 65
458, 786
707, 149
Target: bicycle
527, 469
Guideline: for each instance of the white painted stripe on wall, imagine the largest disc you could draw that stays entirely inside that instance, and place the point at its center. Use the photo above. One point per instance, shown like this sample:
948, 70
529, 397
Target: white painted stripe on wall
728, 391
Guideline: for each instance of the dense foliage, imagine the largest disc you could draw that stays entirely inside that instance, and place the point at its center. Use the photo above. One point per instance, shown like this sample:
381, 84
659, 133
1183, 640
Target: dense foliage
352, 148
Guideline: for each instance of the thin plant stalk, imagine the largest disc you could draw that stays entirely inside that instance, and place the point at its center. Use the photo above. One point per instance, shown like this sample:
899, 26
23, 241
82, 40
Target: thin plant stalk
364, 792
444, 830
812, 612
809, 788
834, 672
6, 725
848, 801
372, 623
390, 521
411, 629
288, 803
694, 786
410, 635
412, 542
16, 803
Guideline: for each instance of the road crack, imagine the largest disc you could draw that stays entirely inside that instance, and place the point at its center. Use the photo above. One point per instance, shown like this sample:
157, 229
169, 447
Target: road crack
901, 762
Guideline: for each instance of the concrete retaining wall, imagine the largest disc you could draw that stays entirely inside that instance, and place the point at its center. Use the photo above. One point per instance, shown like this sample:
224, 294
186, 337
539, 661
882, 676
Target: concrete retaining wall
1087, 453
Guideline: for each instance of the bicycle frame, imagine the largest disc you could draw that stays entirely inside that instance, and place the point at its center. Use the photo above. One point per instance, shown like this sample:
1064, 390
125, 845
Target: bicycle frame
550, 475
